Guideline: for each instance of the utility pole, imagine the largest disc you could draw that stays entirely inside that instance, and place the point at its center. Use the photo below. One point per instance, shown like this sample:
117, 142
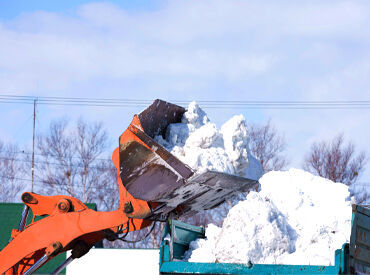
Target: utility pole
33, 142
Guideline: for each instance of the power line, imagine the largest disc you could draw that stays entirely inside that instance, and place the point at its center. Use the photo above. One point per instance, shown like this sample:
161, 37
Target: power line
111, 102
54, 156
53, 163
115, 100
79, 185
94, 167
49, 183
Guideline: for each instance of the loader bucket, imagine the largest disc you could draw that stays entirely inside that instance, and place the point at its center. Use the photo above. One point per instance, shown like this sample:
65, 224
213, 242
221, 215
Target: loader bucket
149, 172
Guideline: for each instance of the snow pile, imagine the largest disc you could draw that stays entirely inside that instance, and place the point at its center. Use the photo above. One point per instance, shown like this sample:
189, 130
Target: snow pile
197, 142
296, 218
206, 254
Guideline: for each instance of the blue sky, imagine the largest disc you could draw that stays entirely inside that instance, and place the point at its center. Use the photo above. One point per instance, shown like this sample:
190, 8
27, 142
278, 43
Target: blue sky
189, 50
11, 9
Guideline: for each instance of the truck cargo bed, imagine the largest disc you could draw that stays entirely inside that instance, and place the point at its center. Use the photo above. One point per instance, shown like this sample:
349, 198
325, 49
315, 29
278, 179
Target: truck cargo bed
177, 237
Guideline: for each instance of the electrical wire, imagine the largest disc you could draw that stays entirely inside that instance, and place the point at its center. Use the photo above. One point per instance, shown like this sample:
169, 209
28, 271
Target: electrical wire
54, 156
116, 102
43, 182
90, 167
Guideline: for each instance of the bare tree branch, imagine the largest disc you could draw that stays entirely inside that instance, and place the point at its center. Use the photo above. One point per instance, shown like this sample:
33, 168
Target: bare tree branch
70, 162
11, 170
267, 146
335, 161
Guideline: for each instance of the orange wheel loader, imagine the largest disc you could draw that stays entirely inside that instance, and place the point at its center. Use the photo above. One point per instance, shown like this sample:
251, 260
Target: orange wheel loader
153, 186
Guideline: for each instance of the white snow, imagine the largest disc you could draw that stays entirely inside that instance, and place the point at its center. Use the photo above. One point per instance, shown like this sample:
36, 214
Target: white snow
205, 254
197, 142
296, 218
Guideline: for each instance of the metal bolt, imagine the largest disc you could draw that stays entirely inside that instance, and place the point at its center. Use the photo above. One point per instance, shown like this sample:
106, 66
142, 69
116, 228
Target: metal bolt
53, 249
128, 208
64, 205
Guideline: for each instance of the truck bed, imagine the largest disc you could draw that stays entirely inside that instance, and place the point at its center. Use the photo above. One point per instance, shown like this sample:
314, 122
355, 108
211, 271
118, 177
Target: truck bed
353, 257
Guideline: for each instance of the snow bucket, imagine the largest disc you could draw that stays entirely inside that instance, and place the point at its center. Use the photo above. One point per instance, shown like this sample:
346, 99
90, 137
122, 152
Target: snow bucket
150, 173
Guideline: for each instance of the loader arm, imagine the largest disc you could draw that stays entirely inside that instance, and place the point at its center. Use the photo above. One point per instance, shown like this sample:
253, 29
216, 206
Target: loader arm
69, 223
153, 185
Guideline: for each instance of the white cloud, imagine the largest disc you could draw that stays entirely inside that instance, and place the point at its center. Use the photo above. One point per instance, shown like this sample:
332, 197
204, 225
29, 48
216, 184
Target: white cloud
205, 50
231, 39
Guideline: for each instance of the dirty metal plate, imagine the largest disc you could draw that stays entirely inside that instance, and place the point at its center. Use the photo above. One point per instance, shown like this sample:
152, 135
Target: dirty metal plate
158, 116
150, 173
145, 174
173, 161
205, 191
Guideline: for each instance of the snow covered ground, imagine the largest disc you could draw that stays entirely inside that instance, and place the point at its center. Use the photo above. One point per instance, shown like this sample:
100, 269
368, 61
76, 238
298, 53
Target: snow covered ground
296, 218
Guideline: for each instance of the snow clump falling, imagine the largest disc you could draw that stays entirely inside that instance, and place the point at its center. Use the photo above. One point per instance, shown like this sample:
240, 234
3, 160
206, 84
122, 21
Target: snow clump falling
197, 142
